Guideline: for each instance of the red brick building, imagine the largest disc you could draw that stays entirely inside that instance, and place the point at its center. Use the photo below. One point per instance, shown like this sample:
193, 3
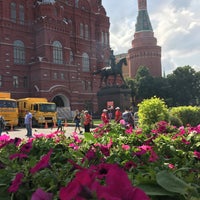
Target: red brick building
144, 51
49, 48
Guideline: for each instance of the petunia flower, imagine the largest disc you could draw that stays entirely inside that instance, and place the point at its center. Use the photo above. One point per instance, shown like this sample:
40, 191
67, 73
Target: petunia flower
16, 182
125, 147
18, 155
43, 163
197, 154
26, 148
39, 194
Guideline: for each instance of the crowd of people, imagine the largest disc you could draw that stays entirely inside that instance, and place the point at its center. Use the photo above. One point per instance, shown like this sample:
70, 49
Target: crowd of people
82, 120
126, 116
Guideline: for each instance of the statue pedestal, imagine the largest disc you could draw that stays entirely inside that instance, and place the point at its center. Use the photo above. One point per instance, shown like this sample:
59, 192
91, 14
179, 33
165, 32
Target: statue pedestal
120, 96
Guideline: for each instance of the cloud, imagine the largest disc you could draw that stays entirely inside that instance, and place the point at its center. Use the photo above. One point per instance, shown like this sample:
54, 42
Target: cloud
176, 26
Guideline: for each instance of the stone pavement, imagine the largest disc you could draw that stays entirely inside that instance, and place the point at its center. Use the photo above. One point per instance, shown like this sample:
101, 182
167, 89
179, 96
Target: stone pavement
21, 132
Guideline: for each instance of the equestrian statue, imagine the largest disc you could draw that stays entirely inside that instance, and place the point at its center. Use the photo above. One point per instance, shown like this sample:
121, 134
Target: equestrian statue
114, 69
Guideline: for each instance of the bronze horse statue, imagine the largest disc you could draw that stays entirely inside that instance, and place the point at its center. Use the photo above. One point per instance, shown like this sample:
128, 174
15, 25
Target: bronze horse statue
112, 71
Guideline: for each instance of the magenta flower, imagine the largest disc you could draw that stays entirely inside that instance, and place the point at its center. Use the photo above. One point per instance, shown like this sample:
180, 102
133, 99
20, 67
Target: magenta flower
18, 155
171, 166
153, 156
129, 130
16, 182
108, 181
130, 164
185, 141
39, 194
125, 147
43, 163
197, 154
26, 148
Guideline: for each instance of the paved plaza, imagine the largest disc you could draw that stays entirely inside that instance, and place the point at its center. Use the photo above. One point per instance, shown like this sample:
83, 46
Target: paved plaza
21, 132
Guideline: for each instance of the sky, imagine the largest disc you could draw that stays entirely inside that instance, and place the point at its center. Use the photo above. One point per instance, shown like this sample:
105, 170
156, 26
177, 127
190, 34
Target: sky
176, 25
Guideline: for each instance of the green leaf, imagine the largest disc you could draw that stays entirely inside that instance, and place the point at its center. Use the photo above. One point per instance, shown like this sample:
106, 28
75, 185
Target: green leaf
154, 190
171, 183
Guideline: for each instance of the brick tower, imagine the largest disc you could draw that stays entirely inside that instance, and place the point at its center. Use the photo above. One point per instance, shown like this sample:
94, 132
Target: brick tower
144, 51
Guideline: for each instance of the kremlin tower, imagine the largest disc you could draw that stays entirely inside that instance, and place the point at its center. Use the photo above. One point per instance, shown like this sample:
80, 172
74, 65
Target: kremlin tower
144, 51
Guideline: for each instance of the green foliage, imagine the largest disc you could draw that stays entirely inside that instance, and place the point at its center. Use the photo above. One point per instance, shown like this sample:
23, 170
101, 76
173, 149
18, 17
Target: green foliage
175, 121
164, 163
151, 111
187, 114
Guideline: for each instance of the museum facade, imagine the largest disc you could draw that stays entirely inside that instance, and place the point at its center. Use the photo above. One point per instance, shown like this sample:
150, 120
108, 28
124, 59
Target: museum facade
51, 49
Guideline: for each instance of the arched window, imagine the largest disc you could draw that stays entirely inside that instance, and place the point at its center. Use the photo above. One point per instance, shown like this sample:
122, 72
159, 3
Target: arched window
13, 12
57, 53
81, 30
19, 52
21, 14
85, 62
86, 32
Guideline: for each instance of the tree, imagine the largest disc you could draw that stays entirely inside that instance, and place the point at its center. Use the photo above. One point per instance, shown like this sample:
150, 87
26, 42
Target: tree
182, 85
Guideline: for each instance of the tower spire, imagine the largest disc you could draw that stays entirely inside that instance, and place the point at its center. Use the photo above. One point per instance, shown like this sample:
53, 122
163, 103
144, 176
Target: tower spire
142, 4
143, 21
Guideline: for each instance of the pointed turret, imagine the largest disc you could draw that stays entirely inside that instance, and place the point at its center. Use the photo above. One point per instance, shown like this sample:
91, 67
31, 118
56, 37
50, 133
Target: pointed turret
143, 21
144, 51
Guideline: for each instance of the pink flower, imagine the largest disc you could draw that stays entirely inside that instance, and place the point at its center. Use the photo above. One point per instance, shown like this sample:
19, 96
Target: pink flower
185, 141
129, 130
44, 162
171, 166
125, 147
115, 185
153, 156
39, 194
26, 147
197, 154
130, 164
16, 182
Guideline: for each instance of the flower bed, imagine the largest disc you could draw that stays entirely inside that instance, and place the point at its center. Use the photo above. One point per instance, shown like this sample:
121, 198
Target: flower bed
110, 163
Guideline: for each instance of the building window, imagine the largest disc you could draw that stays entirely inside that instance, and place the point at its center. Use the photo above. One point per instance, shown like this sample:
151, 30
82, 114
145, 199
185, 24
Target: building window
55, 75
13, 12
85, 62
21, 14
57, 53
102, 37
86, 32
62, 76
0, 80
81, 30
19, 52
71, 57
25, 82
76, 3
15, 81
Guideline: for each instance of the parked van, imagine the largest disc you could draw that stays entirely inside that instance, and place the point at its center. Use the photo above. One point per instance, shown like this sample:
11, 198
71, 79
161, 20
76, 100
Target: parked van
43, 112
8, 109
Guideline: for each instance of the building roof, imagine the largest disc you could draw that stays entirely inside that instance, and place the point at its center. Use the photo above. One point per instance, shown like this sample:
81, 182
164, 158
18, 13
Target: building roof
143, 22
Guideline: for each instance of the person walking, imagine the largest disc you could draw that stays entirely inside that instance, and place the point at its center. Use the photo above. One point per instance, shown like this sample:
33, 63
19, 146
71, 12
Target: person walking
2, 124
104, 116
87, 121
82, 118
28, 123
118, 115
59, 124
77, 120
128, 118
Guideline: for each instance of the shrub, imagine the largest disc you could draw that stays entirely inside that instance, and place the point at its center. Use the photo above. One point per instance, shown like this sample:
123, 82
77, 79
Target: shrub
151, 111
175, 121
187, 114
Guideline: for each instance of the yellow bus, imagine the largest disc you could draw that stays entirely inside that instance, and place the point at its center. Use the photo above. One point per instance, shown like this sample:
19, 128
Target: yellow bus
8, 109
